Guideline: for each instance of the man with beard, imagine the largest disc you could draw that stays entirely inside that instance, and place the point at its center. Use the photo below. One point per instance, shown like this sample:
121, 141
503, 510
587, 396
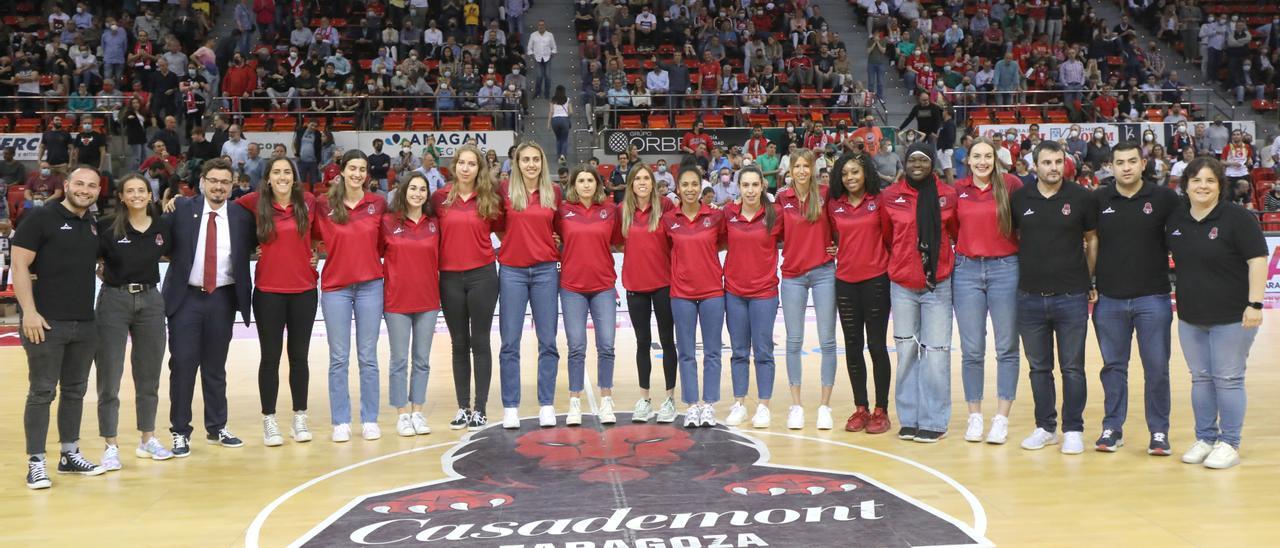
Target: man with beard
206, 284
1057, 229
54, 256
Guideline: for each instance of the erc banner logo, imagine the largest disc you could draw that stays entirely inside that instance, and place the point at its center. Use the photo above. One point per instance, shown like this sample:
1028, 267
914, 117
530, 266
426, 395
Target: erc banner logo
667, 141
633, 486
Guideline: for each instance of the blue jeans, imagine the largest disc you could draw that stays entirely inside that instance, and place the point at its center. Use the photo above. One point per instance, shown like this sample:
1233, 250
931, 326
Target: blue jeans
751, 329
1216, 355
542, 85
603, 308
421, 327
536, 287
709, 313
987, 286
821, 281
560, 126
922, 335
363, 301
1041, 319
1115, 321
875, 78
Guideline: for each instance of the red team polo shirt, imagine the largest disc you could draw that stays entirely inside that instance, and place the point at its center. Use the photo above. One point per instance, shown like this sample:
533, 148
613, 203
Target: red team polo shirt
527, 235
646, 259
804, 244
465, 243
898, 223
284, 265
411, 264
695, 253
979, 228
860, 249
587, 233
352, 247
751, 265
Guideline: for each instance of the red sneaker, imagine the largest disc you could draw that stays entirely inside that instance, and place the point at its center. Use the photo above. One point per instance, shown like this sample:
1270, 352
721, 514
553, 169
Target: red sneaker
858, 420
879, 422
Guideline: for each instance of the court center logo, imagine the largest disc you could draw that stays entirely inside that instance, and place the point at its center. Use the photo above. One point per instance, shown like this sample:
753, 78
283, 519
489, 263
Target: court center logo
633, 486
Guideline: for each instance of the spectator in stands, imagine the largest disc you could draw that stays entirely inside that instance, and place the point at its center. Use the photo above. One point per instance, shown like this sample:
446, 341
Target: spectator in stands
1250, 78
1237, 158
1271, 202
542, 47
12, 171
1216, 137
1238, 39
42, 186
1007, 79
927, 115
1178, 169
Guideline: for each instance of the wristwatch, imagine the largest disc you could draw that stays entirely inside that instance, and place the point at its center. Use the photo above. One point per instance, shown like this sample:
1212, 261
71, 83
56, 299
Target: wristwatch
1255, 305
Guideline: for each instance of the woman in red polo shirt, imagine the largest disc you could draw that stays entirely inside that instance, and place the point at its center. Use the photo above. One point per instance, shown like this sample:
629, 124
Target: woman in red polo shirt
469, 208
986, 284
696, 233
529, 277
351, 285
646, 275
409, 238
862, 286
284, 292
752, 229
585, 223
807, 270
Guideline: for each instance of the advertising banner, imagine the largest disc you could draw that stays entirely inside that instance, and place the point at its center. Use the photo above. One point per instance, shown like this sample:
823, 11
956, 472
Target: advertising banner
666, 141
1116, 132
447, 142
25, 145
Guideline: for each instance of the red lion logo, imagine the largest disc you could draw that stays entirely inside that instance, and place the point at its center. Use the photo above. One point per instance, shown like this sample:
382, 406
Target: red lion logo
615, 455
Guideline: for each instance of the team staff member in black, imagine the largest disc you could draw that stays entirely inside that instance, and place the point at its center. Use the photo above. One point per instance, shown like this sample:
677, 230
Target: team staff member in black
54, 256
1220, 256
1133, 295
1054, 218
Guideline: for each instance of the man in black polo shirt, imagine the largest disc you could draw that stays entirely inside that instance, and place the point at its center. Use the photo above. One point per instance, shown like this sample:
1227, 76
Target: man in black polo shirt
55, 146
1056, 222
54, 256
1133, 287
379, 163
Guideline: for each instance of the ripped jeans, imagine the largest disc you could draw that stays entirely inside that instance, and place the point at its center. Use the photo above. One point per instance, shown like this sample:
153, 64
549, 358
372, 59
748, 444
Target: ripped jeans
922, 335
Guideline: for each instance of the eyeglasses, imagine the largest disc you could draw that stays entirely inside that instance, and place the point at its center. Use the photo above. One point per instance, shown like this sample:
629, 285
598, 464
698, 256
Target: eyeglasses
210, 181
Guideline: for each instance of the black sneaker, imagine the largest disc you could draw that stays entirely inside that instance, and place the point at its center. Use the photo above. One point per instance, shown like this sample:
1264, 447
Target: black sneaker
460, 420
1159, 445
929, 436
37, 476
477, 421
908, 433
1110, 441
181, 446
75, 463
224, 438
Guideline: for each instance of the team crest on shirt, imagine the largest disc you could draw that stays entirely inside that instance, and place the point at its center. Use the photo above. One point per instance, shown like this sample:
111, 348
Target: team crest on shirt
371, 209
872, 206
1146, 208
1066, 209
431, 227
1213, 233
942, 201
604, 214
159, 239
706, 223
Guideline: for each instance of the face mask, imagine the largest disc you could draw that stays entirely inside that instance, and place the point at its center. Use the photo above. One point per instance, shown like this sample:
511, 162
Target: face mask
662, 169
45, 172
515, 72
1099, 135
87, 127
1148, 137
293, 55
1074, 132
447, 73
115, 27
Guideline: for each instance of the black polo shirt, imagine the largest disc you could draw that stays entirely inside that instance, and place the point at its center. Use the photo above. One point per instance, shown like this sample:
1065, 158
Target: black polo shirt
1132, 258
1051, 231
133, 258
1210, 257
57, 145
66, 249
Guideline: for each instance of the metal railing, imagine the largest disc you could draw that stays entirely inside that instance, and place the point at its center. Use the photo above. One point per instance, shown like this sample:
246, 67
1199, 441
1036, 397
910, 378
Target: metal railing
374, 112
964, 101
733, 109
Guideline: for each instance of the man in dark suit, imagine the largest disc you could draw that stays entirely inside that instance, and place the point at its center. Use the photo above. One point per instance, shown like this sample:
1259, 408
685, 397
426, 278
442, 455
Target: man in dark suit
206, 284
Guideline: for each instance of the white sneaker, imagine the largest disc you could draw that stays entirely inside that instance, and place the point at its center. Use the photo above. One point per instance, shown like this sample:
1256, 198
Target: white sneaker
1223, 456
111, 458
1072, 443
762, 418
271, 432
795, 417
370, 431
152, 450
605, 413
973, 432
574, 418
341, 432
824, 418
404, 426
643, 411
999, 432
1039, 439
692, 416
1197, 453
547, 416
667, 413
510, 418
419, 423
301, 432
708, 417
737, 414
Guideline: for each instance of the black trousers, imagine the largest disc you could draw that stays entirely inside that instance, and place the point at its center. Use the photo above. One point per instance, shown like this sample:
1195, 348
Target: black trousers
276, 312
468, 299
61, 362
639, 307
199, 337
864, 307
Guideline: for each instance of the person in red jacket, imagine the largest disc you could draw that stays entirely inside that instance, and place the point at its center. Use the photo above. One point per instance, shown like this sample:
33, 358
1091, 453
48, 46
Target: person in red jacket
752, 229
586, 223
646, 275
409, 239
528, 276
240, 81
919, 223
351, 285
696, 234
469, 208
862, 286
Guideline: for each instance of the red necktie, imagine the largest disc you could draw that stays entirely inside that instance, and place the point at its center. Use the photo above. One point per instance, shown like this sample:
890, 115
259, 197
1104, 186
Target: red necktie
211, 253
